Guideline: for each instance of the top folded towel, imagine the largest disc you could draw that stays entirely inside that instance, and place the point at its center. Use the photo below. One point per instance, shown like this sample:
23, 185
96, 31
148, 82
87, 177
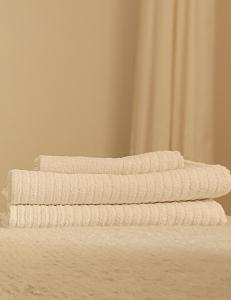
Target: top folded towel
142, 163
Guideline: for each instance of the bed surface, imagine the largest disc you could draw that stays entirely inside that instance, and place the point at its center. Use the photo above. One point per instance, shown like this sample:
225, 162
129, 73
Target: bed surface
126, 263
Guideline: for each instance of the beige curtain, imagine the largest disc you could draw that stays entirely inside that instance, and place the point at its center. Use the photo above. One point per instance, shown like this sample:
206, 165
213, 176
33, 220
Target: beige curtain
173, 91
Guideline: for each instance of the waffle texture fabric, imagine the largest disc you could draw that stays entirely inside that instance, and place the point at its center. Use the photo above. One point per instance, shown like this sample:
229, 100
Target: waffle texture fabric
193, 182
207, 212
135, 164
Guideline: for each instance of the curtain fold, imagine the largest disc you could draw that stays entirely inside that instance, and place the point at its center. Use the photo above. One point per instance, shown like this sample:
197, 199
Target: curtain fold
173, 89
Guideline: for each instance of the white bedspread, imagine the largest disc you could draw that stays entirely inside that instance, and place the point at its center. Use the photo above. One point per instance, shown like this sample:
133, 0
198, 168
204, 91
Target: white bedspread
110, 263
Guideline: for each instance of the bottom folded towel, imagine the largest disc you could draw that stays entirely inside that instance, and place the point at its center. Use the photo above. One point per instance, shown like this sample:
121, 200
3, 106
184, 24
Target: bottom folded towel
205, 212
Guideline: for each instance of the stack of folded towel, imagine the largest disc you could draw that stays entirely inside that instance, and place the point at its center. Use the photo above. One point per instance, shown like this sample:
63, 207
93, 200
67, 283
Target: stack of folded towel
146, 189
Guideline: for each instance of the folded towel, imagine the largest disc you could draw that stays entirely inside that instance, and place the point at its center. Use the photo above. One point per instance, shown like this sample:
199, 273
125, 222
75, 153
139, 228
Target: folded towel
191, 183
207, 212
142, 163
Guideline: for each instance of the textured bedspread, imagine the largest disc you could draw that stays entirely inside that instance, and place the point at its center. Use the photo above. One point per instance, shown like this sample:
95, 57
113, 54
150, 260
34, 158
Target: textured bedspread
111, 263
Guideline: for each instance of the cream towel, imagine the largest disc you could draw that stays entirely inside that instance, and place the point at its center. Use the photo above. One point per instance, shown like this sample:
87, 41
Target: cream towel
207, 212
142, 163
191, 183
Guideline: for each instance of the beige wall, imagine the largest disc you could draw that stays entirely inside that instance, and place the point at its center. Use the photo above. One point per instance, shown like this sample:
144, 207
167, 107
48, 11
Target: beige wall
222, 113
66, 73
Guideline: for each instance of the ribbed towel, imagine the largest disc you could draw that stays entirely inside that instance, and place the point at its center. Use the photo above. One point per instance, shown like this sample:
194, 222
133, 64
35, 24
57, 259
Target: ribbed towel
207, 212
142, 163
191, 183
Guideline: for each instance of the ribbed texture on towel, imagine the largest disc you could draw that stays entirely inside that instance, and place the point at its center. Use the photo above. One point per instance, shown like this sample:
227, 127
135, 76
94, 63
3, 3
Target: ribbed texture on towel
207, 212
142, 163
191, 183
